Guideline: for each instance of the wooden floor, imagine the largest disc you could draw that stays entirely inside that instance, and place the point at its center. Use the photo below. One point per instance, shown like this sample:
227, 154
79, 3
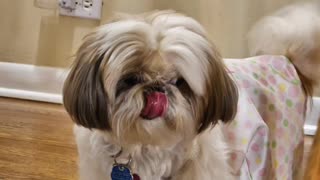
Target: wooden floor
308, 140
36, 141
313, 165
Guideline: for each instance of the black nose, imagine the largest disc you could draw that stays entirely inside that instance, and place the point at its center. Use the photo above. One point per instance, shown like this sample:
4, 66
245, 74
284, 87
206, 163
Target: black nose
156, 88
159, 89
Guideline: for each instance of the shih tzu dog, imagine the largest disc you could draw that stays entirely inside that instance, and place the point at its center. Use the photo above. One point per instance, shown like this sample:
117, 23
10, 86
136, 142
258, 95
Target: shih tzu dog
149, 94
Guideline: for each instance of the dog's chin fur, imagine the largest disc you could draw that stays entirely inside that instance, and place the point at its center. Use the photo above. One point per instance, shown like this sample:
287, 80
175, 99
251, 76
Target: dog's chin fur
204, 157
116, 66
293, 31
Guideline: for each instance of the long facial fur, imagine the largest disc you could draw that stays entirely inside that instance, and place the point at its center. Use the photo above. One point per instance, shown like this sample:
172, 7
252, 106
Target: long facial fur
157, 49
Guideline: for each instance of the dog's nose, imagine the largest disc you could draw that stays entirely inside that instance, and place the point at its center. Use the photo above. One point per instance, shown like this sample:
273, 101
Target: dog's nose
155, 88
159, 89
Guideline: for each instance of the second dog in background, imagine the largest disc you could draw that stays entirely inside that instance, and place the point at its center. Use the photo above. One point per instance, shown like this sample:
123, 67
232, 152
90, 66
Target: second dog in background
294, 32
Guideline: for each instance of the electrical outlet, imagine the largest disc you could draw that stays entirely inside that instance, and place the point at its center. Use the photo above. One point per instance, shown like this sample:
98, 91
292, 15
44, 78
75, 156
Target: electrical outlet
45, 4
90, 9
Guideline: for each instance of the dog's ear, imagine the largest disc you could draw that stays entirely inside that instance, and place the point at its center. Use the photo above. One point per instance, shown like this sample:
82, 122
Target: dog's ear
222, 94
84, 95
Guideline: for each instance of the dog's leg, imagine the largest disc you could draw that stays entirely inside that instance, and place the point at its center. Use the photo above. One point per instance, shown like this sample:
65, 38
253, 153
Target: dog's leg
208, 157
90, 166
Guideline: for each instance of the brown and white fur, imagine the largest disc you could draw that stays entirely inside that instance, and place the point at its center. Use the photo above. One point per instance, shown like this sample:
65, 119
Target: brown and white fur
120, 62
115, 67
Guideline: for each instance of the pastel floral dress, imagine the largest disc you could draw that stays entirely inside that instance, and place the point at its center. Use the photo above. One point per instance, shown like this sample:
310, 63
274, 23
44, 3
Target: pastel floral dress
267, 133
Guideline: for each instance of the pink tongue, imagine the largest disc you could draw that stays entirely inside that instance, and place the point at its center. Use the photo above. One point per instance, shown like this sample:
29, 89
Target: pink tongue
156, 105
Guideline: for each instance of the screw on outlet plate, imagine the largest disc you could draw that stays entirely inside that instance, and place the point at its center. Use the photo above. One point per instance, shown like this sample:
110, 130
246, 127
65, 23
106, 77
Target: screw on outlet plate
69, 5
90, 9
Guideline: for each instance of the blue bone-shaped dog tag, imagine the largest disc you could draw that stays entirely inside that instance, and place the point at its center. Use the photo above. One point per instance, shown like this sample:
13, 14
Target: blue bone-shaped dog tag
121, 172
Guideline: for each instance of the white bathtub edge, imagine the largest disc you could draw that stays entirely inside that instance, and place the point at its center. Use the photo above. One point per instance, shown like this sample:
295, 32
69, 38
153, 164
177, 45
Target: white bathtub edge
31, 95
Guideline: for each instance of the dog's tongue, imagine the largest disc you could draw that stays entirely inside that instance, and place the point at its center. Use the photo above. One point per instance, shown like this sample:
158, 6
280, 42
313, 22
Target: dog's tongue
156, 105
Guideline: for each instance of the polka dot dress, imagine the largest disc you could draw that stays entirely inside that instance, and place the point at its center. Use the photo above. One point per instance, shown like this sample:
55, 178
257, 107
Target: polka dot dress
268, 128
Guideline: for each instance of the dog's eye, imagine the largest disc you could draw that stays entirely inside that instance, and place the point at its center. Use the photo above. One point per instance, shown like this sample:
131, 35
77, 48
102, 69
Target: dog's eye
131, 81
127, 83
178, 82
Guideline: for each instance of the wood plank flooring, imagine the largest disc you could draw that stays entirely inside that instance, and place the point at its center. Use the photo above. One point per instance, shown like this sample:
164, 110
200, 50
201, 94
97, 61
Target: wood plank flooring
313, 165
36, 141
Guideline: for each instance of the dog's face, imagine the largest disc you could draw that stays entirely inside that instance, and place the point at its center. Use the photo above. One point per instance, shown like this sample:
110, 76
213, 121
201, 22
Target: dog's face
153, 79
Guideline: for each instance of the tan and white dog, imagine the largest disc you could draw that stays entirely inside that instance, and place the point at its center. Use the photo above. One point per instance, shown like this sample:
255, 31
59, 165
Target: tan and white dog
151, 89
149, 94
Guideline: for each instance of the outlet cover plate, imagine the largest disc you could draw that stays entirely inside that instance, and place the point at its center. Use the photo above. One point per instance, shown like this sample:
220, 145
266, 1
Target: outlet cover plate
89, 9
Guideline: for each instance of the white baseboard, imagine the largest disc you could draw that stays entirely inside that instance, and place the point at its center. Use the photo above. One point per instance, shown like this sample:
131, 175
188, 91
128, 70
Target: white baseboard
31, 95
31, 82
310, 129
45, 84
